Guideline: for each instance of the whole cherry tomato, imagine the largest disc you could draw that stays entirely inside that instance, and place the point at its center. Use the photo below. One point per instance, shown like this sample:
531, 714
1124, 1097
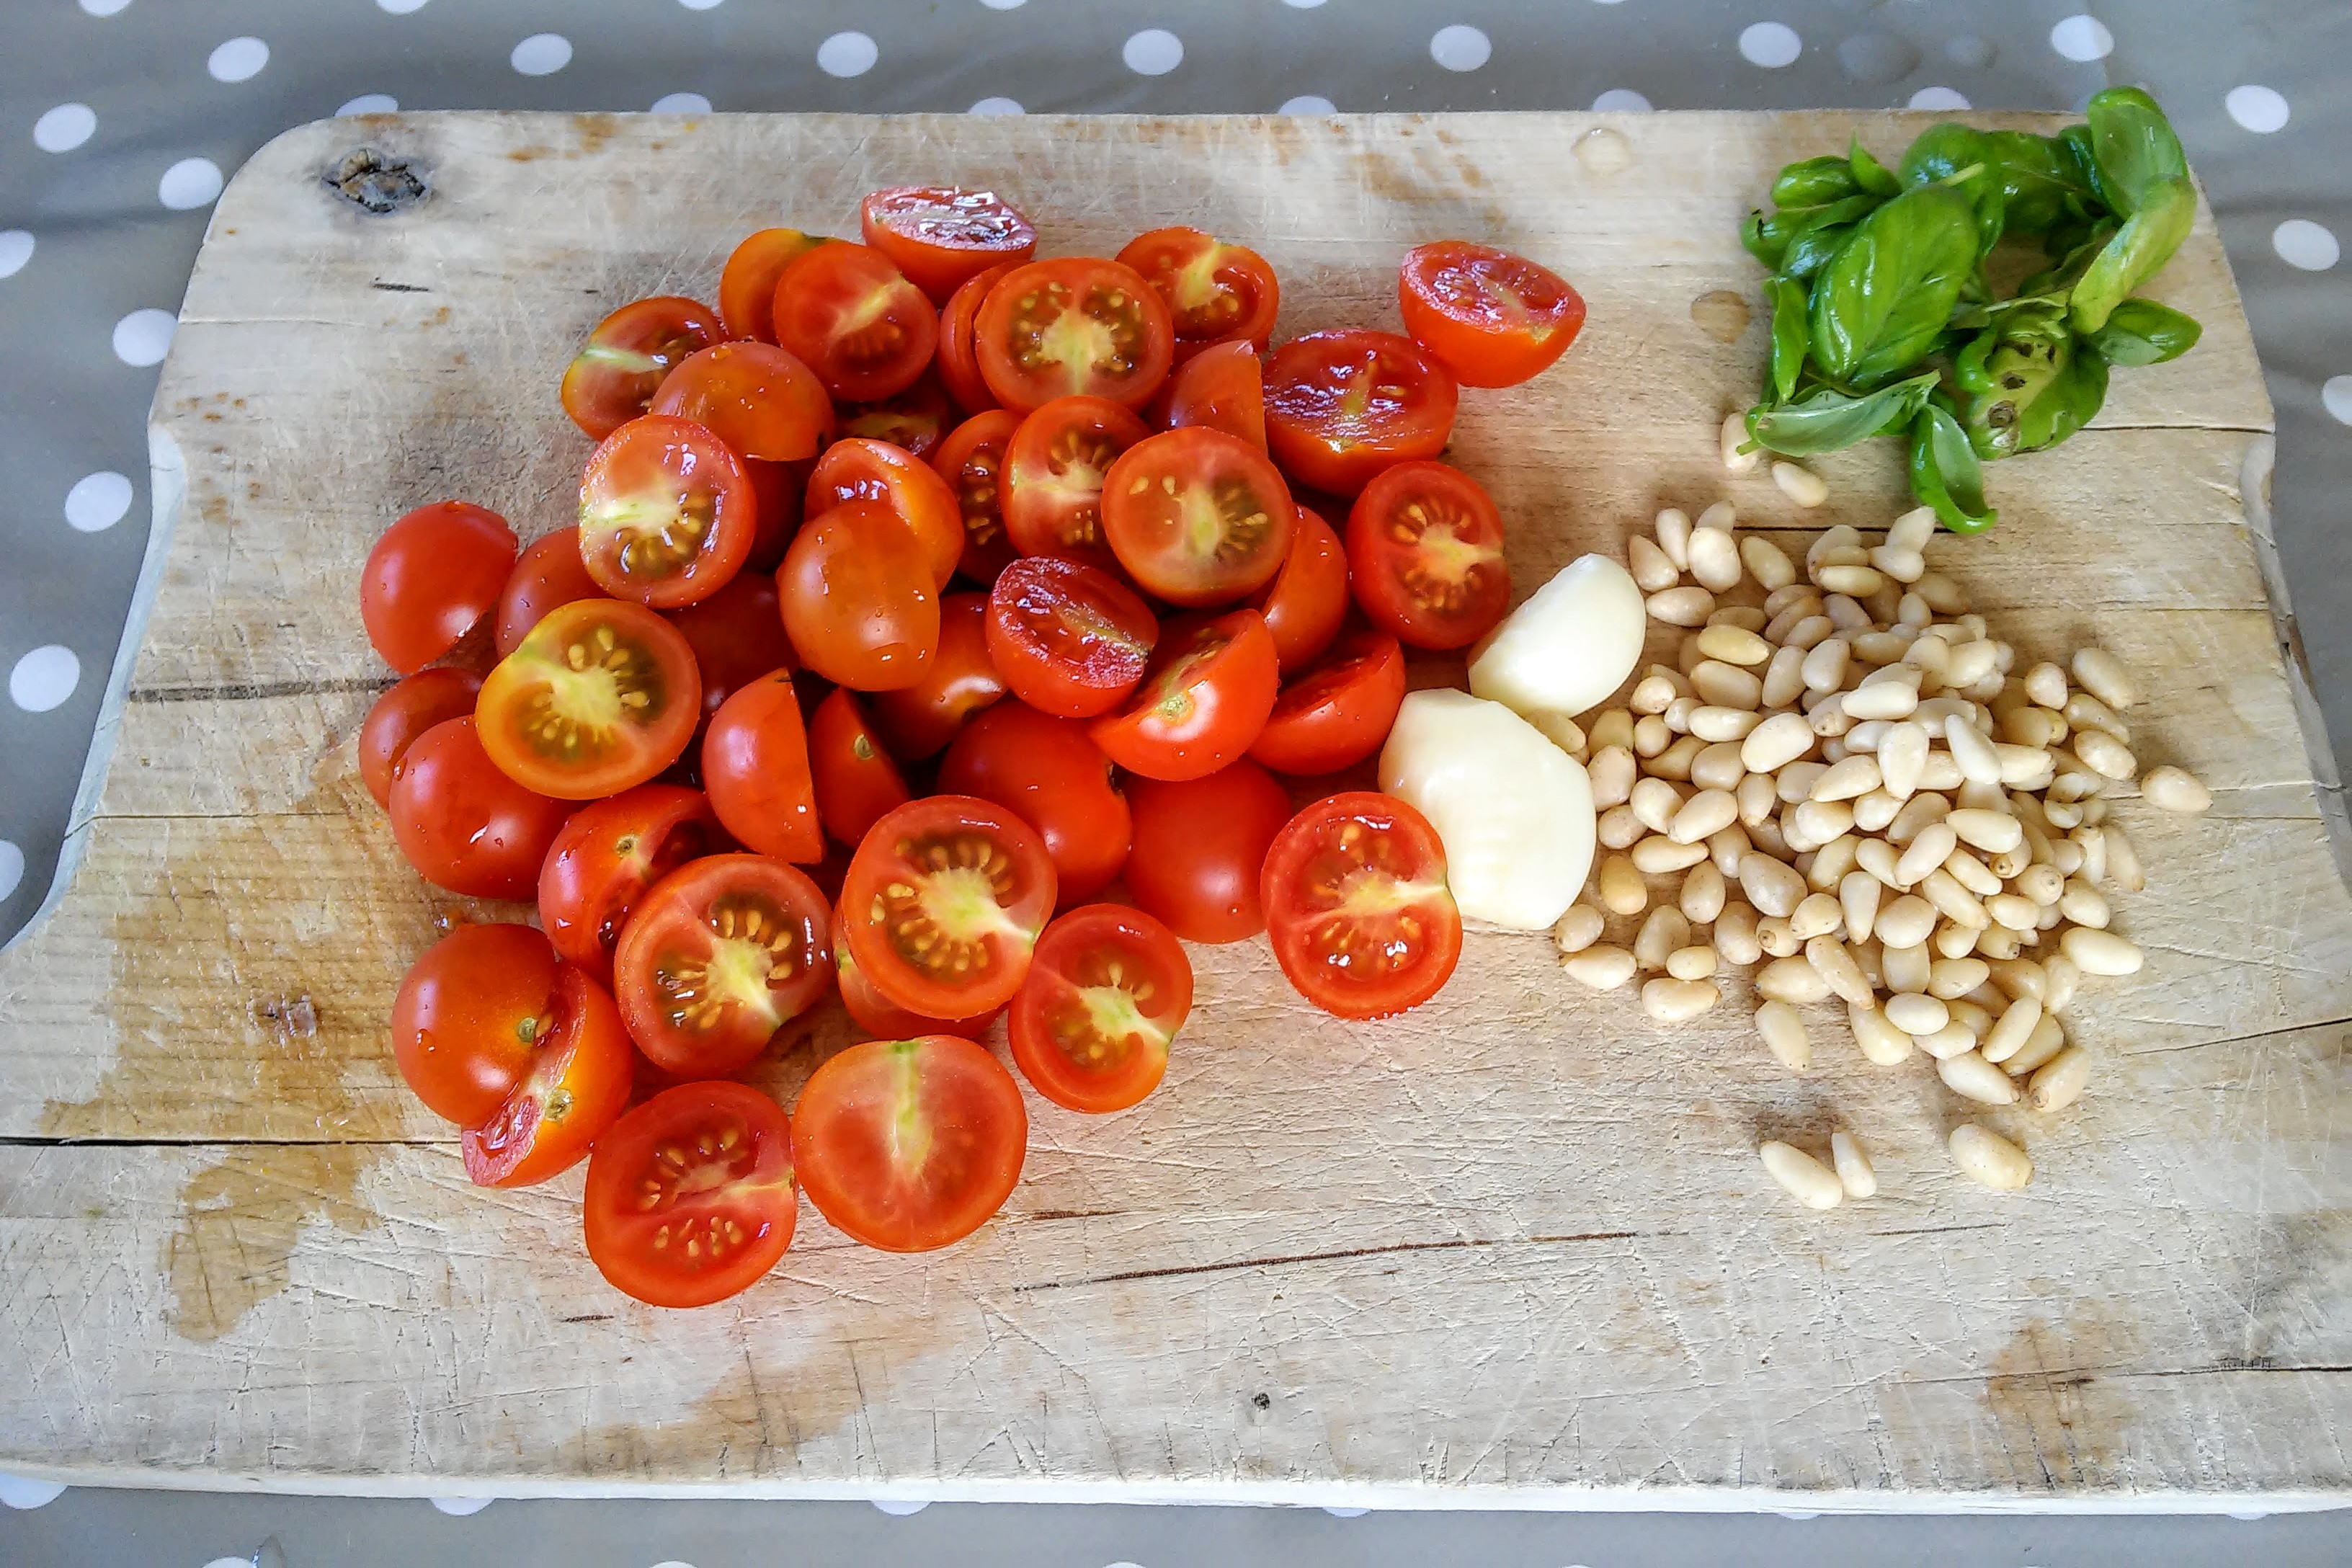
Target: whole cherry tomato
548, 572
607, 855
755, 766
959, 680
614, 377
1068, 638
463, 824
857, 783
1426, 554
1050, 773
858, 599
1341, 406
943, 235
414, 706
667, 513
1494, 319
430, 577
1202, 701
1199, 856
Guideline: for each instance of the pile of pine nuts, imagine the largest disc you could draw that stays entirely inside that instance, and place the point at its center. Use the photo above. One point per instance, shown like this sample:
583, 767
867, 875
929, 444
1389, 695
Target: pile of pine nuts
1848, 786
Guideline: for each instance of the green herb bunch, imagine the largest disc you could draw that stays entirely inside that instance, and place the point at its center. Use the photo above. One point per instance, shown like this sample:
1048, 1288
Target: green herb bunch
1884, 318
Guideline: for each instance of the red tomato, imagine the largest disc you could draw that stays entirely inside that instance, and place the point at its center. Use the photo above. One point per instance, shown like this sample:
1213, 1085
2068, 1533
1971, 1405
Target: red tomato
776, 490
1338, 712
463, 824
1076, 324
867, 470
1053, 469
755, 766
918, 419
581, 1069
1052, 776
690, 1196
1068, 638
857, 783
883, 1018
1357, 905
1426, 554
1308, 599
548, 572
960, 682
1341, 406
737, 636
957, 361
405, 713
432, 575
1197, 516
614, 377
1108, 990
1200, 850
1203, 699
1494, 319
747, 289
971, 460
1215, 292
600, 697
754, 397
467, 1016
943, 235
944, 899
1221, 387
908, 1145
858, 600
853, 318
717, 957
604, 860
667, 513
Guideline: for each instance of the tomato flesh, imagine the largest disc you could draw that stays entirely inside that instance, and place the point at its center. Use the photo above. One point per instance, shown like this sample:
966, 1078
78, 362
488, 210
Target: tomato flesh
858, 468
858, 599
851, 316
1052, 328
1308, 599
463, 822
667, 513
618, 370
1426, 554
943, 235
971, 460
467, 1016
580, 1073
1197, 517
1068, 638
717, 957
1199, 858
1215, 292
600, 697
746, 287
411, 707
1106, 994
1339, 712
430, 578
1357, 905
959, 680
944, 899
1494, 318
758, 399
857, 783
755, 766
604, 860
1050, 773
1202, 700
1341, 406
690, 1196
1053, 471
916, 419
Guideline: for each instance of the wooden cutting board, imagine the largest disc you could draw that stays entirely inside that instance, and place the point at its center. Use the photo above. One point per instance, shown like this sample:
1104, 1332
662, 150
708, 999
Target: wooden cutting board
1513, 1248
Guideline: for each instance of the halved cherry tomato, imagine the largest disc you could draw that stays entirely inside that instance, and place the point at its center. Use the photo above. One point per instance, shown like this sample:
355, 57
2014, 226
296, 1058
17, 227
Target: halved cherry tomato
1053, 469
690, 1196
667, 513
1308, 599
548, 572
971, 460
1210, 686
755, 766
959, 680
856, 469
1077, 324
958, 360
853, 318
1197, 517
468, 1016
599, 698
1338, 712
604, 860
737, 636
1426, 554
943, 235
1341, 406
883, 1018
908, 1145
1199, 858
746, 287
1050, 773
717, 957
1494, 319
1068, 638
1215, 292
614, 377
756, 397
1357, 905
463, 824
917, 418
430, 577
414, 706
1221, 387
581, 1071
857, 783
1108, 990
858, 600
944, 899
776, 489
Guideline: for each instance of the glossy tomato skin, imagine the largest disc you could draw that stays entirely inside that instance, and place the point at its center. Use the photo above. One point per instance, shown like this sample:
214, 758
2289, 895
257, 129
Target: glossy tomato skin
1068, 638
883, 1018
776, 489
1049, 773
1356, 906
856, 468
1108, 990
579, 1082
917, 418
411, 707
1494, 318
1197, 517
601, 696
1342, 406
851, 316
971, 460
858, 598
467, 1016
958, 360
718, 956
1076, 324
463, 824
1054, 468
1221, 387
755, 766
746, 287
614, 377
737, 636
857, 783
943, 235
943, 900
1215, 292
1425, 556
548, 572
756, 397
607, 855
1199, 856
1206, 695
1337, 713
430, 577
708, 1165
1308, 599
910, 1145
667, 514
961, 679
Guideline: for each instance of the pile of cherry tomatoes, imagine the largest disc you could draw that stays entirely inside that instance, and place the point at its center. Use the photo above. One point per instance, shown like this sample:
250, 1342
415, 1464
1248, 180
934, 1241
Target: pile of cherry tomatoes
888, 572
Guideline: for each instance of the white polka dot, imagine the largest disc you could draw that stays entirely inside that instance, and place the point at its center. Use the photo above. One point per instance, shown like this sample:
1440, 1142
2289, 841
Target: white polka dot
2335, 395
1460, 48
143, 337
997, 106
1770, 44
15, 249
64, 128
230, 1562
700, 5
1621, 99
1347, 1512
2303, 242
44, 677
98, 501
189, 184
2261, 109
1004, 4
1155, 51
461, 1507
1308, 104
239, 59
672, 1562
899, 1508
542, 54
371, 103
1302, 5
401, 7
1938, 98
2083, 38
681, 103
23, 1492
104, 7
847, 55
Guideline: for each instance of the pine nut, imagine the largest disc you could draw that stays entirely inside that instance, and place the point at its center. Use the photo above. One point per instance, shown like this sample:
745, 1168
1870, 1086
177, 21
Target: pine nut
2103, 674
2122, 860
2084, 712
1943, 595
1775, 742
1734, 437
1735, 935
1883, 650
1949, 979
1791, 979
1811, 629
1694, 963
2061, 977
2029, 727
1715, 559
1718, 766
2168, 788
1677, 1001
2007, 1037
1651, 735
1662, 932
1659, 856
1800, 485
1971, 662
1720, 516
1613, 728
1940, 773
2103, 754
1953, 939
2100, 951
1835, 965
1831, 861
1817, 823
1653, 693
2058, 1082
2019, 978
1876, 810
1618, 829
1883, 700
1733, 645
1771, 887
1991, 831
1795, 782
2046, 1041
1702, 894
1971, 1077
1826, 716
1800, 1175
1931, 656
1756, 796
1825, 665
1656, 802
1723, 685
1674, 763
1601, 968
1783, 1032
1916, 1014
1952, 1040
1784, 677
2085, 905
2045, 684
1854, 1172
1907, 921
1990, 1158
1858, 895
1900, 564
1622, 892
1703, 816
1612, 773
1652, 571
1673, 529
1728, 849
1577, 930
1682, 606
1998, 941
1971, 873
1816, 915
1765, 562
1955, 902
2012, 912
1717, 723
1854, 581
1883, 1045
1970, 1016
2025, 767
1929, 848
1847, 780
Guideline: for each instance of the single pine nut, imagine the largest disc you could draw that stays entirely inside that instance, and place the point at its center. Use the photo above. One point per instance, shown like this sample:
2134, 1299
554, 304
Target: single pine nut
1854, 776
2025, 767
1858, 895
1674, 762
1663, 931
1835, 965
1988, 1157
1901, 754
1907, 921
1956, 903
1874, 811
1800, 485
1715, 558
1655, 802
1817, 914
1901, 565
2007, 1037
1577, 930
1613, 728
1827, 717
2085, 905
1611, 772
1838, 536
1791, 979
1979, 764
1756, 797
1682, 606
1714, 723
1659, 856
2122, 860
1881, 699
1810, 629
1652, 573
2103, 754
1651, 735
1721, 685
1706, 813
1795, 782
1929, 848
2012, 912
1883, 1045
1949, 979
2019, 978
1831, 861
1811, 824
1673, 529
1601, 968
1720, 516
1973, 1077
1618, 829
1677, 1001
1784, 677
2046, 1041
1727, 848
1943, 595
2084, 712
1718, 766
1971, 873
1694, 963
1854, 1173
1734, 437
1952, 1040
1775, 742
2168, 788
1916, 1014
2103, 674
1953, 939
2100, 951
2058, 1082
1654, 693
1854, 581
1969, 1016
1622, 892
1800, 1175
1991, 831
1765, 562
1702, 894
1783, 1031
2061, 977
1771, 887
1997, 940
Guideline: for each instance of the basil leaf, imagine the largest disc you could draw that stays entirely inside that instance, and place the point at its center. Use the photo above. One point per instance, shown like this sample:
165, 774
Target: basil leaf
2043, 391
1944, 473
1873, 177
1815, 182
1941, 151
1788, 335
1811, 250
2144, 244
1829, 419
1766, 239
1887, 294
2037, 177
2133, 146
2141, 332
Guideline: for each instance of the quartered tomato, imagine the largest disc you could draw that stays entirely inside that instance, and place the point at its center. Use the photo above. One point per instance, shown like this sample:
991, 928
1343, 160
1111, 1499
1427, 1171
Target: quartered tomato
756, 397
943, 900
858, 599
860, 469
1197, 517
943, 235
1199, 857
1308, 599
581, 1069
1426, 554
1494, 319
405, 713
1050, 773
1221, 387
430, 577
908, 1145
604, 860
971, 460
1052, 328
1053, 469
614, 377
857, 783
957, 361
1357, 905
690, 1196
467, 1017
667, 513
853, 318
548, 572
1341, 406
601, 696
1068, 638
917, 418
717, 957
959, 680
1205, 698
464, 824
883, 1018
755, 766
1339, 712
737, 636
1106, 991
1215, 292
747, 288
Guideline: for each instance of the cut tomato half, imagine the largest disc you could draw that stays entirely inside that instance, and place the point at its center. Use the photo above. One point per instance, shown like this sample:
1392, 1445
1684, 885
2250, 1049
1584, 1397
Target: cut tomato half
1215, 292
1308, 599
430, 578
1341, 406
856, 468
944, 899
604, 860
717, 957
1068, 638
600, 697
858, 600
1107, 992
1221, 387
1076, 325
853, 318
958, 360
1339, 712
581, 1069
1053, 471
1496, 319
667, 513
690, 1196
614, 377
943, 235
971, 460
917, 418
1426, 554
756, 397
755, 766
1201, 702
1197, 517
747, 285
1356, 906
